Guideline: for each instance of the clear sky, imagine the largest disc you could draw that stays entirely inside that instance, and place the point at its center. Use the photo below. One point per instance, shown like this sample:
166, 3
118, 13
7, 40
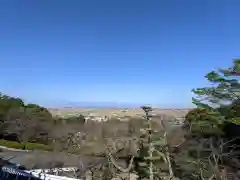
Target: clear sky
55, 52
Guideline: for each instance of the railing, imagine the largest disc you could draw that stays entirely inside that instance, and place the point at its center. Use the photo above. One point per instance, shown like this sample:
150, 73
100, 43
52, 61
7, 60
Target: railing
12, 173
55, 170
44, 176
9, 173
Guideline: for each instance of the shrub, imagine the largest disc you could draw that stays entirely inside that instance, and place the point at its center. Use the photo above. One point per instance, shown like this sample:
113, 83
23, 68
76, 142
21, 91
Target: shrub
7, 102
37, 112
204, 121
29, 146
11, 144
80, 119
32, 146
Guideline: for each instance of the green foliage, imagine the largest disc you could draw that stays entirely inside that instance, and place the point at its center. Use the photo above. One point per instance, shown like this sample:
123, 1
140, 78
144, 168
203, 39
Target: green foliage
80, 119
32, 146
154, 151
11, 144
204, 121
35, 111
26, 121
7, 102
29, 146
231, 113
224, 91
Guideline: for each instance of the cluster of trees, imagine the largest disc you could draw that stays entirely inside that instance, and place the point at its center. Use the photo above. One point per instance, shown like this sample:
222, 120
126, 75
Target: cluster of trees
22, 122
215, 122
218, 106
28, 122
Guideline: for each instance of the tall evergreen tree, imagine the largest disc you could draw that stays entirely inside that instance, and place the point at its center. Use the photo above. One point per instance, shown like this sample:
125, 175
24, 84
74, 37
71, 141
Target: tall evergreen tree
224, 92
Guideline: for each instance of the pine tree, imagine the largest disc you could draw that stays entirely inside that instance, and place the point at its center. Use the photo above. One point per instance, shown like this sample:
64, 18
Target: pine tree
152, 150
224, 91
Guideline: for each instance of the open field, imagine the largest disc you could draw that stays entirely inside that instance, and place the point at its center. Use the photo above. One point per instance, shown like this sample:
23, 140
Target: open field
116, 112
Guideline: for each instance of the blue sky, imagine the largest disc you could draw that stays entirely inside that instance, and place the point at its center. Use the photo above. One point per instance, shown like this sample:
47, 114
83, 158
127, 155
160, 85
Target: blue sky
100, 52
